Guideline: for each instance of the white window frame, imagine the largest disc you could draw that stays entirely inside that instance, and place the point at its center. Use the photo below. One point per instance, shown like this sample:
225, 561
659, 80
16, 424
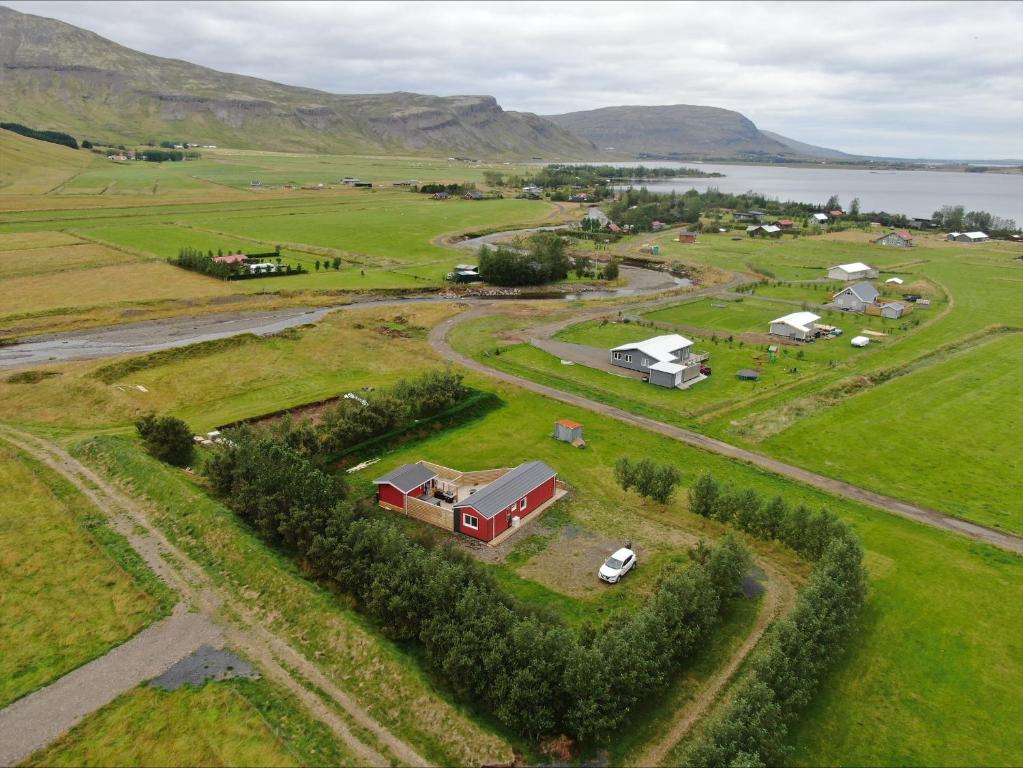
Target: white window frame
617, 355
522, 503
474, 525
628, 358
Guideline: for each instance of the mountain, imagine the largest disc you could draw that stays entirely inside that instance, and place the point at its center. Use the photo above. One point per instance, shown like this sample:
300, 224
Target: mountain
685, 132
811, 150
59, 77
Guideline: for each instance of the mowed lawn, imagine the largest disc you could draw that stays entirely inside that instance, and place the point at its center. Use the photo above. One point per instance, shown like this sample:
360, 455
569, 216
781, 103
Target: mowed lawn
65, 599
234, 723
902, 437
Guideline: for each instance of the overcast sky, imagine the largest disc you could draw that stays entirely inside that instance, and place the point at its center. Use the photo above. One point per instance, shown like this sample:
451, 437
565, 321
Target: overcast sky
901, 79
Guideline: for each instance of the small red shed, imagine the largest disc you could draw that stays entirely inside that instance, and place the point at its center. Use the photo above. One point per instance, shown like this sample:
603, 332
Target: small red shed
407, 480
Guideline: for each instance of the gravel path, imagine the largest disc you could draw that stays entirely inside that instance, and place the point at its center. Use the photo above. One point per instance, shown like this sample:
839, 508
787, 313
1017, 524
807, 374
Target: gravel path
275, 658
438, 339
32, 722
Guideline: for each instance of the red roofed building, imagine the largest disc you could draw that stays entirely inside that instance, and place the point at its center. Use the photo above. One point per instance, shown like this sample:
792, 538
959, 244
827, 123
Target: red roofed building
784, 223
835, 213
231, 258
900, 238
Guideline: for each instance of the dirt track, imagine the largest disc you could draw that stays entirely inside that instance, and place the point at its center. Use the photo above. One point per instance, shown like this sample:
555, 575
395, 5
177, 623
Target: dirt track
438, 340
274, 657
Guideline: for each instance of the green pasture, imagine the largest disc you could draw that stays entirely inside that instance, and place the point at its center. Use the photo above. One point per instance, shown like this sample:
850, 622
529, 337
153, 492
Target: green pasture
940, 625
233, 723
903, 437
73, 587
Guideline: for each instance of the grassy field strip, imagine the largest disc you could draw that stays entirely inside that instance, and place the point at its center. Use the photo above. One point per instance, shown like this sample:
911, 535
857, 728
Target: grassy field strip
74, 588
254, 639
236, 722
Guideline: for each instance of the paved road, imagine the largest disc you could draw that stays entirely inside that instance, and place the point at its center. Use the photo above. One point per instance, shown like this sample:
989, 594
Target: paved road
438, 339
34, 721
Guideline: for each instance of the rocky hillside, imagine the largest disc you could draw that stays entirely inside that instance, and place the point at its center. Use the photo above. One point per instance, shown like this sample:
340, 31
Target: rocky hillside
59, 77
678, 132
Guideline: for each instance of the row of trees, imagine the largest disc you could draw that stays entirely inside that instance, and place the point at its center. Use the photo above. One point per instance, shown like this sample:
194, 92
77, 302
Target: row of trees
800, 649
351, 422
195, 260
545, 261
167, 155
54, 137
523, 665
648, 478
957, 219
451, 189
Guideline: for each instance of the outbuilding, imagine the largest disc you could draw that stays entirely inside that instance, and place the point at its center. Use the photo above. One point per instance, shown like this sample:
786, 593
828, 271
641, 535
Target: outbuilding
817, 219
857, 270
967, 237
568, 431
798, 325
763, 230
687, 237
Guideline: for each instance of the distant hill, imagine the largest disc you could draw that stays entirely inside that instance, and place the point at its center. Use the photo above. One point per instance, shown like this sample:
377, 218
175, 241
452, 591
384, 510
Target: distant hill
810, 150
56, 76
685, 132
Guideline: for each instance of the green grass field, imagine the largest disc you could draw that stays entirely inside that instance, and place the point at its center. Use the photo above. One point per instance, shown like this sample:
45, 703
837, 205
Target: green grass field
73, 588
232, 723
940, 625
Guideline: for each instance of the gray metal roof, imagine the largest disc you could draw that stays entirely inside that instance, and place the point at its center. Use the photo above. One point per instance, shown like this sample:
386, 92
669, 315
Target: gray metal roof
863, 291
407, 477
508, 489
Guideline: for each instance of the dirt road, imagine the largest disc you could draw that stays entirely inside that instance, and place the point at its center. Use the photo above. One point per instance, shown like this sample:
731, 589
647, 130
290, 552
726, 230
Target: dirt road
438, 340
275, 658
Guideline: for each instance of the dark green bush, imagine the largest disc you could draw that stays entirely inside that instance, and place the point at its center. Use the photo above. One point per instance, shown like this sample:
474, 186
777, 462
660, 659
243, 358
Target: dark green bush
167, 438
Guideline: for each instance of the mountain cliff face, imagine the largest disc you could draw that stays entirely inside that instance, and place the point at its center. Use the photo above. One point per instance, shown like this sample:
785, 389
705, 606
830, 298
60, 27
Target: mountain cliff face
60, 77
680, 131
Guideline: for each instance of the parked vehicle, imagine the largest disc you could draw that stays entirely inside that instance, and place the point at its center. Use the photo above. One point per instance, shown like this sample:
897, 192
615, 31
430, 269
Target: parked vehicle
616, 566
705, 370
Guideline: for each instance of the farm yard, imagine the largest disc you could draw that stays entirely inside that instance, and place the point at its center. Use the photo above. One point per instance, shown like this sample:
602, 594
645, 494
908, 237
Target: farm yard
909, 416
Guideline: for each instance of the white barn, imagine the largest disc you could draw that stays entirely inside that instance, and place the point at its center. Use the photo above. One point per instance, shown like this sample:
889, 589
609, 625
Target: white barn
855, 271
817, 220
967, 237
798, 325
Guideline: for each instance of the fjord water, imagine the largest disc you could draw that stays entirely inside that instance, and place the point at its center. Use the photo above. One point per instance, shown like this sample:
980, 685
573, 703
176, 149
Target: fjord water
913, 193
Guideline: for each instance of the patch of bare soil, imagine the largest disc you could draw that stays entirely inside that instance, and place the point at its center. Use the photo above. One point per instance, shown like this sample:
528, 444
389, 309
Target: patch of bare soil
569, 562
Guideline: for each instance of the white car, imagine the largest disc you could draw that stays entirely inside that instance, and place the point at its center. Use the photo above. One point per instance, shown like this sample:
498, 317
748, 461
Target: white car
616, 566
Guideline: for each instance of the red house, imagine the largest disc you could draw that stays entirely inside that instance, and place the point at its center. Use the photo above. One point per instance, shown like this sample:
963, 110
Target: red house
457, 501
687, 237
231, 258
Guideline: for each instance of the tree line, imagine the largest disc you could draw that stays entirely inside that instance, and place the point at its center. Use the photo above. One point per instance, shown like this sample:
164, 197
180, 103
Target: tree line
195, 260
544, 261
54, 137
352, 421
956, 218
791, 663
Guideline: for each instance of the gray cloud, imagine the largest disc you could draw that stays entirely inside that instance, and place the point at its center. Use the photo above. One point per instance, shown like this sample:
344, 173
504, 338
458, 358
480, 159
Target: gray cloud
906, 79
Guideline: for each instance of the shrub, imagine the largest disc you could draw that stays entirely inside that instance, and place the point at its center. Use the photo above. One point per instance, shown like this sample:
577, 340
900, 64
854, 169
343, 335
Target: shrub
649, 479
166, 438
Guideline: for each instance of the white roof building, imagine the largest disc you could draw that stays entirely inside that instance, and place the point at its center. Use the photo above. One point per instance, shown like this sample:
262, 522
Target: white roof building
663, 349
821, 217
801, 321
896, 280
857, 270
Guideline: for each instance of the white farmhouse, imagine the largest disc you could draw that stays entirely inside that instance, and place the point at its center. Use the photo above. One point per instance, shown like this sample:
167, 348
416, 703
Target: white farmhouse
668, 361
817, 219
855, 271
798, 325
